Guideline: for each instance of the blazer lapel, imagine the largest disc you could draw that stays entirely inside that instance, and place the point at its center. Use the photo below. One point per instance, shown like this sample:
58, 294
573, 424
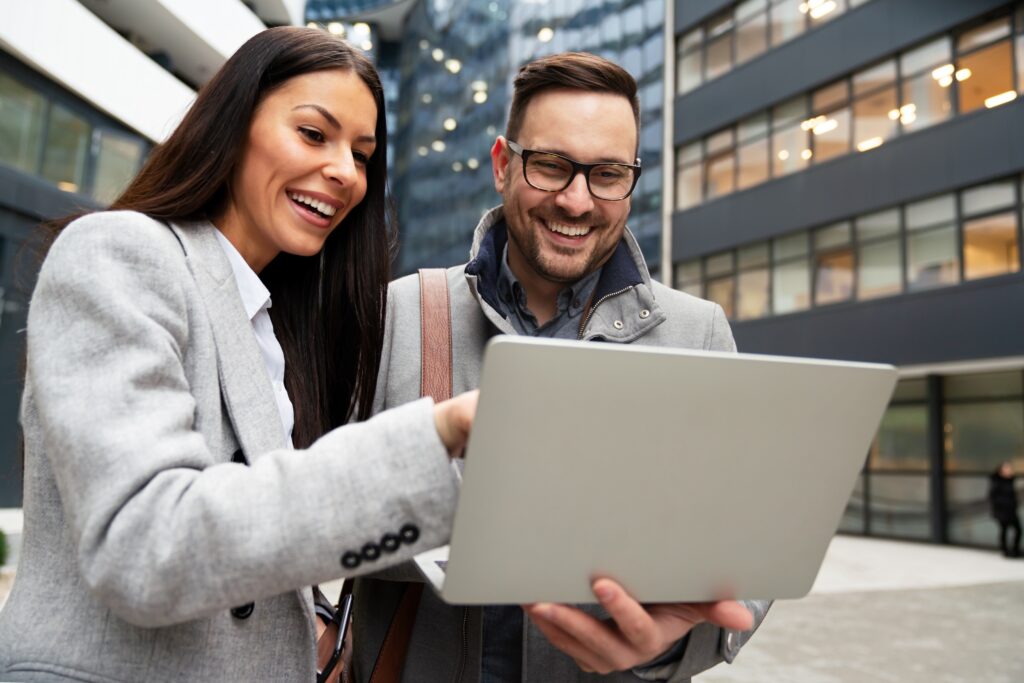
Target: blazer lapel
244, 382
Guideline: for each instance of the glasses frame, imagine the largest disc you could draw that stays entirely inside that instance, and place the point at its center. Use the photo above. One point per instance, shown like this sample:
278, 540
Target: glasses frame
577, 167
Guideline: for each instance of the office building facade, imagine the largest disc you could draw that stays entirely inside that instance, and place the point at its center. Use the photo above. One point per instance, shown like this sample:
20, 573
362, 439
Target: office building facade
847, 184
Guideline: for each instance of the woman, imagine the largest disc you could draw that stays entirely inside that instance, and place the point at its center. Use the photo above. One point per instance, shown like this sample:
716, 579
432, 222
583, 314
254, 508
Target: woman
170, 531
1003, 499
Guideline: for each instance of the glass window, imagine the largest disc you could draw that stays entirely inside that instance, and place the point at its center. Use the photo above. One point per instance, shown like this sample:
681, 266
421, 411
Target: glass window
67, 148
692, 40
932, 258
688, 277
22, 113
837, 235
753, 127
874, 119
719, 56
986, 385
880, 224
821, 11
979, 436
915, 389
986, 78
990, 246
928, 56
751, 38
753, 255
720, 141
874, 77
1020, 62
719, 263
830, 96
749, 8
787, 21
879, 269
116, 164
902, 441
690, 71
926, 101
988, 197
752, 294
932, 211
832, 135
753, 164
790, 111
721, 291
792, 150
790, 245
721, 175
688, 186
833, 276
984, 34
791, 286
899, 505
969, 518
689, 153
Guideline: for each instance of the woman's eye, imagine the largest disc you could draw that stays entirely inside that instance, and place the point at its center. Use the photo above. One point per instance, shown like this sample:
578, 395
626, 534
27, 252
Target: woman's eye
361, 157
312, 134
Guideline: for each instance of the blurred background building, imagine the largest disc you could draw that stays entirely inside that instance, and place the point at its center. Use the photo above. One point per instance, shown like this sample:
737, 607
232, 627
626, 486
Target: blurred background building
848, 185
841, 175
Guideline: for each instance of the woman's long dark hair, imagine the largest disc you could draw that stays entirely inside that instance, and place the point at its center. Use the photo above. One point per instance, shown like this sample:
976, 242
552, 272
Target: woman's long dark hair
328, 310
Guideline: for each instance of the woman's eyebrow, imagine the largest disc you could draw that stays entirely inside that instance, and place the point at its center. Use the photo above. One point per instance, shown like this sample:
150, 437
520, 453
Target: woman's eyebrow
334, 122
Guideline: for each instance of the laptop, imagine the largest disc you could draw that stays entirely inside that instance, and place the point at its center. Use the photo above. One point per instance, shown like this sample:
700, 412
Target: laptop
683, 475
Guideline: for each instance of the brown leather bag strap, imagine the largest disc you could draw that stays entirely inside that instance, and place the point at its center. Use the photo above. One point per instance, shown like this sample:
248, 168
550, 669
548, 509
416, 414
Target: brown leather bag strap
436, 382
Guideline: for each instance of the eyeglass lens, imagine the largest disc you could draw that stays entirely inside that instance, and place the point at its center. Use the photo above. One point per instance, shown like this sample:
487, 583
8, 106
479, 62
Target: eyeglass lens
552, 173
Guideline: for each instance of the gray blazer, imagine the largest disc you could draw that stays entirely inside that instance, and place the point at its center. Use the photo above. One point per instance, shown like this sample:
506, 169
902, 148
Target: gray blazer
143, 381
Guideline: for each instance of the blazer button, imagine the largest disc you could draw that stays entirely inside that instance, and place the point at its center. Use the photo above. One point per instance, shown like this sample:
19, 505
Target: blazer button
409, 533
371, 551
243, 612
389, 543
351, 560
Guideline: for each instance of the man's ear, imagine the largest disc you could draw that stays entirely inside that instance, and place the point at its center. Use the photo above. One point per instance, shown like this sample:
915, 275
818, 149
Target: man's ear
499, 163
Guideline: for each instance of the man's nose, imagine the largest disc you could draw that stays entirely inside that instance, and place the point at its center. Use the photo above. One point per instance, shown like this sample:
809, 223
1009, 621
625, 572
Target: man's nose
575, 199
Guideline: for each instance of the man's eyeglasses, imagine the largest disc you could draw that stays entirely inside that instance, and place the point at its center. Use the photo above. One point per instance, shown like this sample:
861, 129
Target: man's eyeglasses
552, 172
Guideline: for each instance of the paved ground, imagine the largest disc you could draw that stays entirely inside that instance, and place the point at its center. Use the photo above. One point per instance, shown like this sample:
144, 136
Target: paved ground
885, 612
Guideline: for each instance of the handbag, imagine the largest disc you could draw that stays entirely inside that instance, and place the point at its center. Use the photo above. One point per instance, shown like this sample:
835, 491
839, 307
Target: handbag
334, 645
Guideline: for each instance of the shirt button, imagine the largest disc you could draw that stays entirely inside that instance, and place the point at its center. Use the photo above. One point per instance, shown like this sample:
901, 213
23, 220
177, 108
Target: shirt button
617, 324
409, 533
351, 560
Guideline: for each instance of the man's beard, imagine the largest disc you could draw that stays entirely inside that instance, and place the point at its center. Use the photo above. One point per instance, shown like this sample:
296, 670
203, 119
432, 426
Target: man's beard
573, 265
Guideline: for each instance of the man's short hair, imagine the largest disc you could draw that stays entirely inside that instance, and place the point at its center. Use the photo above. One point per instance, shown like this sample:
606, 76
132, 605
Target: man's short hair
572, 71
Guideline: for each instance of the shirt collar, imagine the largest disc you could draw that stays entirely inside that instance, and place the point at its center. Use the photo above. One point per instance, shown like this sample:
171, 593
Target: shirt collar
255, 295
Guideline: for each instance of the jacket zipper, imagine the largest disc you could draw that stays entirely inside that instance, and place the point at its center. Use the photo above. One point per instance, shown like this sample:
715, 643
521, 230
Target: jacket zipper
465, 645
590, 313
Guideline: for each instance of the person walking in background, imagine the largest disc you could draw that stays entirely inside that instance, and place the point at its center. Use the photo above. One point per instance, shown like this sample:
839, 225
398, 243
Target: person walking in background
1003, 498
231, 306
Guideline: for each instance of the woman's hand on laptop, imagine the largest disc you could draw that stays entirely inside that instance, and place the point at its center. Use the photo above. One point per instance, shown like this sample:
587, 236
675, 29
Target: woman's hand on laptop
453, 419
635, 634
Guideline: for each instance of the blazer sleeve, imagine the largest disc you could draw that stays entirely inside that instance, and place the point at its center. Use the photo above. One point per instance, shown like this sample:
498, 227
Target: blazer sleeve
164, 531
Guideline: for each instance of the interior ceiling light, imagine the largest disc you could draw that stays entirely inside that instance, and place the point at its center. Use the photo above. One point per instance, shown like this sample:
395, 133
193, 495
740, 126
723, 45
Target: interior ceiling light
450, 124
1001, 98
942, 71
806, 154
545, 34
337, 28
422, 151
453, 65
963, 74
811, 123
312, 24
437, 145
426, 98
437, 54
825, 126
457, 167
361, 27
478, 85
367, 45
894, 114
473, 163
870, 143
424, 45
784, 155
480, 96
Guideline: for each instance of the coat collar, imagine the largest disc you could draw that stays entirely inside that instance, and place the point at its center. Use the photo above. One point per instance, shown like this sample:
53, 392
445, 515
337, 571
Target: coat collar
623, 294
244, 382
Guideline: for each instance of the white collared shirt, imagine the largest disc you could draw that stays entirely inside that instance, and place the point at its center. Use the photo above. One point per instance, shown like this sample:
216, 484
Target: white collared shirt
256, 300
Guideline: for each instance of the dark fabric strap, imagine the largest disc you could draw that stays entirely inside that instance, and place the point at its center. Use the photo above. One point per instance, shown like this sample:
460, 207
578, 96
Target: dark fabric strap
436, 382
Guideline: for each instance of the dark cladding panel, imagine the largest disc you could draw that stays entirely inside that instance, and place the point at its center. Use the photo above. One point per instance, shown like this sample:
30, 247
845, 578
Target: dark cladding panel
689, 13
966, 150
877, 29
982, 319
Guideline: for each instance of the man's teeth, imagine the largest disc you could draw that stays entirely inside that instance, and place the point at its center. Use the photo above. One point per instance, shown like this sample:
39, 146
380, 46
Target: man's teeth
325, 209
569, 230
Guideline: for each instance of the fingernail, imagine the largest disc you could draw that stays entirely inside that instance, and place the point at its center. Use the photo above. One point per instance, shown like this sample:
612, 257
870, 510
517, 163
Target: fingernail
603, 591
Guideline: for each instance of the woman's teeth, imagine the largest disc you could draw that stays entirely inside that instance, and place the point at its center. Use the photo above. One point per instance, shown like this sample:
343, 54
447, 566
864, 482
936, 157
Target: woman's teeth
569, 230
322, 207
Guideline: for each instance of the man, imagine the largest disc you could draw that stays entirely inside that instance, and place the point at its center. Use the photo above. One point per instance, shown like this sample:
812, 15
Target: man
555, 260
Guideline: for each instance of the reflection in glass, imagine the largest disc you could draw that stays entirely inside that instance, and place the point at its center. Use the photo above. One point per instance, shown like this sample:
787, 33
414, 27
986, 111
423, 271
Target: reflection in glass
853, 516
688, 277
984, 385
899, 505
755, 254
787, 21
1019, 42
969, 518
831, 135
902, 441
791, 150
791, 286
830, 96
721, 290
719, 55
790, 245
688, 186
753, 163
879, 269
990, 246
874, 77
874, 119
752, 295
21, 124
986, 78
880, 224
751, 38
988, 197
925, 101
721, 175
928, 56
833, 276
820, 11
932, 258
979, 436
986, 33
931, 211
67, 147
753, 127
719, 263
690, 72
116, 164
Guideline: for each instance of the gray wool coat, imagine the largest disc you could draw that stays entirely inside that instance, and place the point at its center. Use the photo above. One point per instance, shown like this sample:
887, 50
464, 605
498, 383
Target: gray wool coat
141, 534
446, 640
